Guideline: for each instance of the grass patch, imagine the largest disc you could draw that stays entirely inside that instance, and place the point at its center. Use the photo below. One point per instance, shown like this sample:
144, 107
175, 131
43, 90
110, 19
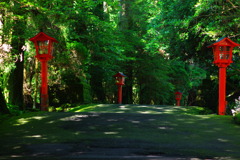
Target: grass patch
4, 117
195, 110
147, 109
83, 108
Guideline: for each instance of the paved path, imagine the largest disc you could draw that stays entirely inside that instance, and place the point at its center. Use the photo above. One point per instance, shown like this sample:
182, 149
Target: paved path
143, 133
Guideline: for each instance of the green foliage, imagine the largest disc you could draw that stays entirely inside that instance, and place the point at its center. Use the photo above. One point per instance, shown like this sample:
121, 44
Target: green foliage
159, 45
154, 81
236, 118
14, 110
4, 117
235, 110
195, 110
83, 108
63, 108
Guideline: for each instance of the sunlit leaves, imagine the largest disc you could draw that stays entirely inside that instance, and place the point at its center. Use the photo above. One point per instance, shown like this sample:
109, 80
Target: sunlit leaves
156, 39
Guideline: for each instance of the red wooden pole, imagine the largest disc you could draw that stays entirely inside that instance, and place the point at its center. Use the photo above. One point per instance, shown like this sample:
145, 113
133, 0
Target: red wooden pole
222, 91
119, 94
44, 86
178, 102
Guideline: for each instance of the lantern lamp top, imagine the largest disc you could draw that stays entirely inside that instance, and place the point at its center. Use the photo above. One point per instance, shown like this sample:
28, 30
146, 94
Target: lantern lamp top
178, 93
119, 74
41, 36
224, 42
178, 96
222, 50
44, 46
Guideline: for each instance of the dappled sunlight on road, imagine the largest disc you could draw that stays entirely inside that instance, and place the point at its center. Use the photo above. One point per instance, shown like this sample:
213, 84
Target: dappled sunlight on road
142, 109
111, 133
74, 118
23, 121
148, 130
126, 108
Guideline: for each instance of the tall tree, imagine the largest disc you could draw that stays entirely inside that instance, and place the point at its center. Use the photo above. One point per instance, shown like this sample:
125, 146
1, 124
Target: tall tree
18, 41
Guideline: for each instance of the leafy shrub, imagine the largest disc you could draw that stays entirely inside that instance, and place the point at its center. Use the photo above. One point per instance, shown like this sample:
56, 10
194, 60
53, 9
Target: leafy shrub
62, 108
236, 118
195, 110
14, 110
236, 111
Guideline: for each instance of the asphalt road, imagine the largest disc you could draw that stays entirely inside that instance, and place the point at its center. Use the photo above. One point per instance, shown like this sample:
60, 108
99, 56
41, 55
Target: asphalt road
143, 134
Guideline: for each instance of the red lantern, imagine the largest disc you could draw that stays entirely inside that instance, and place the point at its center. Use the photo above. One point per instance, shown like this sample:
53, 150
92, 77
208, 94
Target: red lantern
222, 50
178, 97
44, 46
120, 79
44, 50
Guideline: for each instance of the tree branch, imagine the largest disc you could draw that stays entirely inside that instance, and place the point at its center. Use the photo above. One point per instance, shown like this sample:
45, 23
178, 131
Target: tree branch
232, 4
234, 36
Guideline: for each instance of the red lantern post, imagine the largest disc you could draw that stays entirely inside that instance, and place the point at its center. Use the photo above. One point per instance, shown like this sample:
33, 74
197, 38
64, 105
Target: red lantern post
120, 79
44, 49
178, 97
222, 50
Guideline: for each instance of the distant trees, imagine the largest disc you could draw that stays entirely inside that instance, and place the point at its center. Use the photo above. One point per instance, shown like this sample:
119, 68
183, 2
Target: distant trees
159, 45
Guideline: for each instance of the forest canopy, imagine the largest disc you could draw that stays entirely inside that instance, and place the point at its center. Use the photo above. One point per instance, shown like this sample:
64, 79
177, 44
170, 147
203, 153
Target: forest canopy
160, 45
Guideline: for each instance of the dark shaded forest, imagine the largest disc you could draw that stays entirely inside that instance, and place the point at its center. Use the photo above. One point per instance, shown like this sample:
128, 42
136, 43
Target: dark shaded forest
161, 46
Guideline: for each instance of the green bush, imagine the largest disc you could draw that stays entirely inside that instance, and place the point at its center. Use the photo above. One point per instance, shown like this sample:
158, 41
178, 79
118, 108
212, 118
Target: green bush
63, 108
14, 110
236, 118
195, 110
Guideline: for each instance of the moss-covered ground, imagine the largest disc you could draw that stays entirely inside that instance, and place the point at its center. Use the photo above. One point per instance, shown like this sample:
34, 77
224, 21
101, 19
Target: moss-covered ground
106, 131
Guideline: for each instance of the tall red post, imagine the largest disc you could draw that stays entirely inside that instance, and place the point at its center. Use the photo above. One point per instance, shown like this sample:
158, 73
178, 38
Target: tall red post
44, 85
178, 102
222, 91
119, 94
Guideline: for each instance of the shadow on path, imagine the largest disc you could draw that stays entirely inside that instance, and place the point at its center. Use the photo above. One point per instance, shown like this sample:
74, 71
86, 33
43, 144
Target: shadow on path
141, 132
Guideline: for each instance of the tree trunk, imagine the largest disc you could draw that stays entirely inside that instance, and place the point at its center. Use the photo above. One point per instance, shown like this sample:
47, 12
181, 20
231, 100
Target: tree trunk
3, 105
16, 77
96, 83
128, 88
123, 23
